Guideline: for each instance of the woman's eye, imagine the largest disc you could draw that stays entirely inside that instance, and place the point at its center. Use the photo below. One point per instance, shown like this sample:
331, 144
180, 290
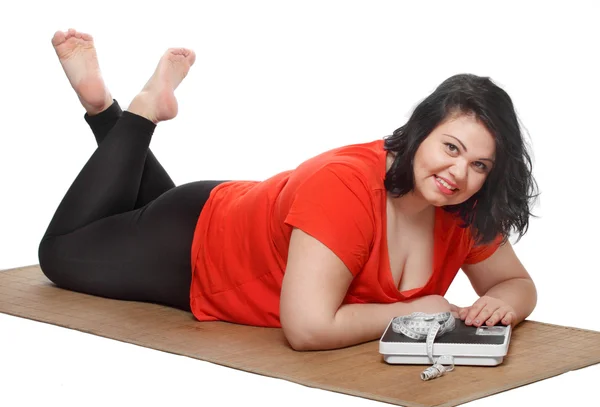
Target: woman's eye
451, 147
480, 165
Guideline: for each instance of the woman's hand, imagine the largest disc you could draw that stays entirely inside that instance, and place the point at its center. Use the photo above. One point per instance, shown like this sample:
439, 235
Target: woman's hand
487, 310
454, 310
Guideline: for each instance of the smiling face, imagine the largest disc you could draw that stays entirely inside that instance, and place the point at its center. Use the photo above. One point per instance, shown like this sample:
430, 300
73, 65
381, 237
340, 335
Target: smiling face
453, 162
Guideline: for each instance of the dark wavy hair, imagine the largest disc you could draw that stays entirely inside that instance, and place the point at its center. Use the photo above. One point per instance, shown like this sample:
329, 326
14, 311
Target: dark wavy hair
504, 201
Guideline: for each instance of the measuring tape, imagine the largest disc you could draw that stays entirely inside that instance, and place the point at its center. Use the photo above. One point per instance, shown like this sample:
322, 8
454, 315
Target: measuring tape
419, 326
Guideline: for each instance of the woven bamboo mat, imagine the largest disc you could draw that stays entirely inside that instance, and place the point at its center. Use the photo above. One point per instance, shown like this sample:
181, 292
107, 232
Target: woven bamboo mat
537, 350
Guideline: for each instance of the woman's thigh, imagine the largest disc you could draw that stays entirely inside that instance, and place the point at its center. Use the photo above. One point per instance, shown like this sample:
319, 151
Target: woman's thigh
141, 255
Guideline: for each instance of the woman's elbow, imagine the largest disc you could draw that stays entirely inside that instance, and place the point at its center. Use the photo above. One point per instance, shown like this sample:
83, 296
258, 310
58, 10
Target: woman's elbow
534, 293
300, 343
306, 337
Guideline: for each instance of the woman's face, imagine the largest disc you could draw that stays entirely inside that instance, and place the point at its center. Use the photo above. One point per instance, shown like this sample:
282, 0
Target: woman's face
453, 162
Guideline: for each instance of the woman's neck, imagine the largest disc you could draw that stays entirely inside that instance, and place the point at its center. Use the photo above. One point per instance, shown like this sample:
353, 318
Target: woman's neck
410, 207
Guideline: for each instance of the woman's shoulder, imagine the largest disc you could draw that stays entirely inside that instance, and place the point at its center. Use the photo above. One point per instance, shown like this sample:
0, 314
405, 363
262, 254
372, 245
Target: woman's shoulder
359, 162
369, 153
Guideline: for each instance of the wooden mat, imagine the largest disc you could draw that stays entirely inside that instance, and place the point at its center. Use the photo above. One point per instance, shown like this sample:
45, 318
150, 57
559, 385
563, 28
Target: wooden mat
537, 350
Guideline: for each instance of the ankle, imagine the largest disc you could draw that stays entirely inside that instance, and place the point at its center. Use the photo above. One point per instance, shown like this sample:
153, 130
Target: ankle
95, 109
141, 105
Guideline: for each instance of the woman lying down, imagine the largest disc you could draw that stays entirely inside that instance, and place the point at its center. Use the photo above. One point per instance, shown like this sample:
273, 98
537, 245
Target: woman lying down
329, 251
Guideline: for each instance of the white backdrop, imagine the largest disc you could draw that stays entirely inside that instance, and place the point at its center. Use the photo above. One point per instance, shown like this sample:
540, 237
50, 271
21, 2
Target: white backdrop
275, 83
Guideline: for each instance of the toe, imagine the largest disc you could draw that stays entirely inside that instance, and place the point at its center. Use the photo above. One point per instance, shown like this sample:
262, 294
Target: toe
188, 54
58, 38
191, 57
176, 51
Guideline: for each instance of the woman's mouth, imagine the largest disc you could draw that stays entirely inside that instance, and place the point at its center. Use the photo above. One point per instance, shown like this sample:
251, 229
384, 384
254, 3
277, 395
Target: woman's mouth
444, 186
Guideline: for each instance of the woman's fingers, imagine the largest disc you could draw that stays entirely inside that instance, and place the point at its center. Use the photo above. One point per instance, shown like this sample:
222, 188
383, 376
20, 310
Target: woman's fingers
485, 313
498, 315
473, 314
509, 318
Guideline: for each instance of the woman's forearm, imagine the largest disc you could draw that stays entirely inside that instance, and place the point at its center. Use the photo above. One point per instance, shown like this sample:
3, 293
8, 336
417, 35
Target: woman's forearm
357, 323
353, 324
519, 293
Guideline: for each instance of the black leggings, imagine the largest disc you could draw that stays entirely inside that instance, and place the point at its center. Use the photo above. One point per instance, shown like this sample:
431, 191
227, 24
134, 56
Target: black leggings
123, 229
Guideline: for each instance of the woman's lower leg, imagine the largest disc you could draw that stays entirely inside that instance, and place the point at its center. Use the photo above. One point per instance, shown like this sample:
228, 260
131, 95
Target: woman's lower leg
155, 179
110, 181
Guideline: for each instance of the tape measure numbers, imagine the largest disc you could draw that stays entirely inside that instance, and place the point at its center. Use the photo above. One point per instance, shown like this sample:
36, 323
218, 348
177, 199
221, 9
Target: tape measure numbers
419, 326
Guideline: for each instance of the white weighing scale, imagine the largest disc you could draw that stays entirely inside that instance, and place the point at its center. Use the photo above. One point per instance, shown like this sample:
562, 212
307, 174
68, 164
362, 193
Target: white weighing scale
468, 345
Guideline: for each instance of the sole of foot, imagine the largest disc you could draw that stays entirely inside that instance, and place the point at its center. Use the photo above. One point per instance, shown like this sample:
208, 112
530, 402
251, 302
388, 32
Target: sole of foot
77, 55
156, 102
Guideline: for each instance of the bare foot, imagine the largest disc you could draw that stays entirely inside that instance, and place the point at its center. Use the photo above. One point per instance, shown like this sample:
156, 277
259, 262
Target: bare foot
156, 102
77, 55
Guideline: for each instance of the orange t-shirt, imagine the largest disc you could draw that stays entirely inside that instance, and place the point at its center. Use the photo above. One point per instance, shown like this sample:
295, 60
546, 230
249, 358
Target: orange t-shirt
240, 245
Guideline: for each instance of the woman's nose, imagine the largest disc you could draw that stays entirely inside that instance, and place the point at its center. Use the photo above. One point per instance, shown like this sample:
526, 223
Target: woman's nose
459, 170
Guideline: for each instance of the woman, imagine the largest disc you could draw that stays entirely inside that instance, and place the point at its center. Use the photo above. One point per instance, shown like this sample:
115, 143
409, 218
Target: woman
330, 251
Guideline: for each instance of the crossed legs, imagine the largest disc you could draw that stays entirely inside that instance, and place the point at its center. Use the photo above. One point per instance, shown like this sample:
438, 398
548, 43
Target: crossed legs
123, 229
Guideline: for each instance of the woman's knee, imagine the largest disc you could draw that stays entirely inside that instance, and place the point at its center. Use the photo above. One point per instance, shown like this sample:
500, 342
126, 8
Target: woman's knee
48, 259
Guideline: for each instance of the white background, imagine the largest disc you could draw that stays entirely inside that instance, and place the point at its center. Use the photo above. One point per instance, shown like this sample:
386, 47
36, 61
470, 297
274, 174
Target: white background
275, 83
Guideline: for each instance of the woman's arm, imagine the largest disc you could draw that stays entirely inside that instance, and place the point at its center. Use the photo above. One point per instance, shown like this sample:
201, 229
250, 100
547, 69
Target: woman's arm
314, 286
502, 277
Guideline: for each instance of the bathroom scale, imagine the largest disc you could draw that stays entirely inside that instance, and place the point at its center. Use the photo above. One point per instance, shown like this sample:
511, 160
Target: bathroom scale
468, 345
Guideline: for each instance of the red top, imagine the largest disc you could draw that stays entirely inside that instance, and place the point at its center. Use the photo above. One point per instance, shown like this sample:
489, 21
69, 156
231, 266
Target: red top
240, 245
